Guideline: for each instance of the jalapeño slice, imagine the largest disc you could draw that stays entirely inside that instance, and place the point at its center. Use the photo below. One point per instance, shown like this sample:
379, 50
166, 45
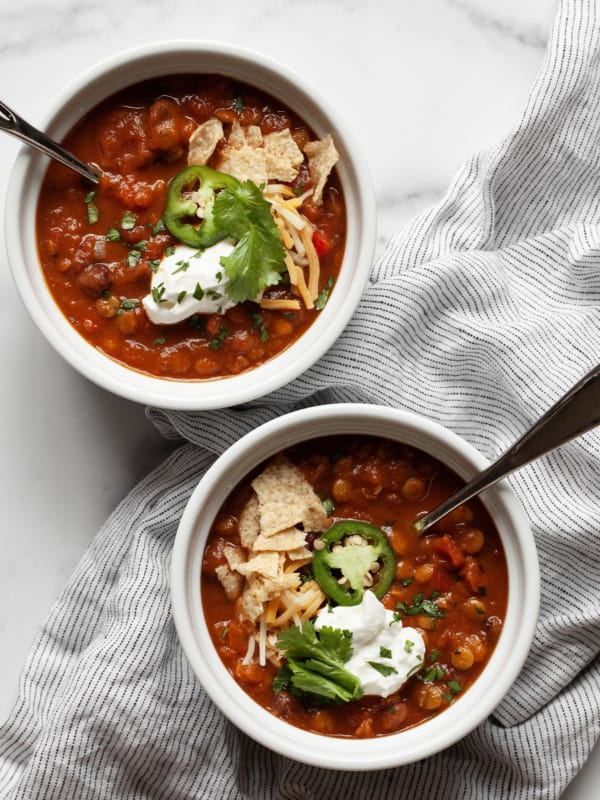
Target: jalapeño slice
340, 566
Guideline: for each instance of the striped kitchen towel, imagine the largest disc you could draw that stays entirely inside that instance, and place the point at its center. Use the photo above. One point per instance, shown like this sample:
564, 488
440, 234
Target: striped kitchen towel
479, 315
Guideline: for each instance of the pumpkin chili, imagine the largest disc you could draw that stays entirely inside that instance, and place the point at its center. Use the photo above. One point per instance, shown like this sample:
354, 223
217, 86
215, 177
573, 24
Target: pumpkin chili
100, 251
449, 586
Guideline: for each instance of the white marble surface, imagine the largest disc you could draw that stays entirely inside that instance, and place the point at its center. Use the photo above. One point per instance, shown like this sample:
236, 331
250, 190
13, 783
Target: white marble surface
447, 77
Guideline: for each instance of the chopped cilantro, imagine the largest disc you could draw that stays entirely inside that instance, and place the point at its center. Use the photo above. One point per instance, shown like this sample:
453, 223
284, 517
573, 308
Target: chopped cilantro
258, 325
154, 264
128, 221
448, 697
433, 673
328, 505
133, 257
160, 340
197, 323
157, 293
169, 251
182, 266
113, 235
215, 343
181, 295
385, 652
408, 646
91, 209
407, 581
433, 656
384, 669
420, 605
239, 105
198, 292
323, 295
127, 305
159, 227
455, 687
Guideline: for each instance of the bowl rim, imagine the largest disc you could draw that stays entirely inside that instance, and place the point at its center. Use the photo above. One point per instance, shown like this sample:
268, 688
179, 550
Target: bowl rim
395, 749
170, 57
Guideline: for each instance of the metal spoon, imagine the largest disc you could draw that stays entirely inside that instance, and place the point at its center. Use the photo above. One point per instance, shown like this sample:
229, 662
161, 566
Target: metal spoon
575, 413
17, 126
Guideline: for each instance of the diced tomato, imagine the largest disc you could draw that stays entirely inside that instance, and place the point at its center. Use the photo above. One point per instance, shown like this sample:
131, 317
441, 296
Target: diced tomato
322, 242
447, 546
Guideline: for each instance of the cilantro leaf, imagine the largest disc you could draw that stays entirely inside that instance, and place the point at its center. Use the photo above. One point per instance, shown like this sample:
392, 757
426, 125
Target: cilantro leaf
384, 669
315, 663
257, 260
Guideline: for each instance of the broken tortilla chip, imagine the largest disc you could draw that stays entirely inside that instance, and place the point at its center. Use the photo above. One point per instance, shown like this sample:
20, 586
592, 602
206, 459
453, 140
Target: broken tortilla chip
249, 522
322, 157
204, 140
282, 541
283, 156
286, 499
231, 581
269, 565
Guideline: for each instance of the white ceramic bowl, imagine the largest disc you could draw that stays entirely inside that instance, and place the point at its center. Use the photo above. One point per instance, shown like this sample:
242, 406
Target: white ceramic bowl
338, 753
170, 58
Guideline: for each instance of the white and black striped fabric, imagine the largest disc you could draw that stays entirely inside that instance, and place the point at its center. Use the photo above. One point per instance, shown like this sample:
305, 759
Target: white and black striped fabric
479, 315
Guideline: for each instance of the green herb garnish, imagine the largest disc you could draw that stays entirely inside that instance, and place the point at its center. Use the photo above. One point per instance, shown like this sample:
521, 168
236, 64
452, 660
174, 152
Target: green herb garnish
91, 209
160, 340
128, 305
328, 505
258, 325
315, 664
198, 292
323, 295
385, 652
113, 235
383, 669
215, 343
258, 258
158, 292
128, 221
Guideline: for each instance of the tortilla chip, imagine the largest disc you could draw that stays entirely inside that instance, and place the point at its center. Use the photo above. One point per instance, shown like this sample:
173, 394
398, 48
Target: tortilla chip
249, 522
204, 140
233, 555
250, 606
266, 564
283, 156
299, 553
286, 499
322, 157
231, 581
283, 541
243, 155
244, 163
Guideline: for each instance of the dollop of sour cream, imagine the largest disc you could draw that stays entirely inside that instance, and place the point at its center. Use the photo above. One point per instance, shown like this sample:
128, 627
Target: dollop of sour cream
377, 638
189, 282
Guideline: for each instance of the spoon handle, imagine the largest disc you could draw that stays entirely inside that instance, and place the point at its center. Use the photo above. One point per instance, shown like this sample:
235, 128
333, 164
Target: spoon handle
17, 126
575, 413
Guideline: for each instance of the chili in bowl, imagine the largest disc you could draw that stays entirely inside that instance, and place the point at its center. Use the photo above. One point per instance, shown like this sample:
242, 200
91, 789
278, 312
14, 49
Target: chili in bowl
227, 243
314, 615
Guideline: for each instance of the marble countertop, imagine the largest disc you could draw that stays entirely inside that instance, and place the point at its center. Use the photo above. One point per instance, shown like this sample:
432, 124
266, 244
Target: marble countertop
446, 78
